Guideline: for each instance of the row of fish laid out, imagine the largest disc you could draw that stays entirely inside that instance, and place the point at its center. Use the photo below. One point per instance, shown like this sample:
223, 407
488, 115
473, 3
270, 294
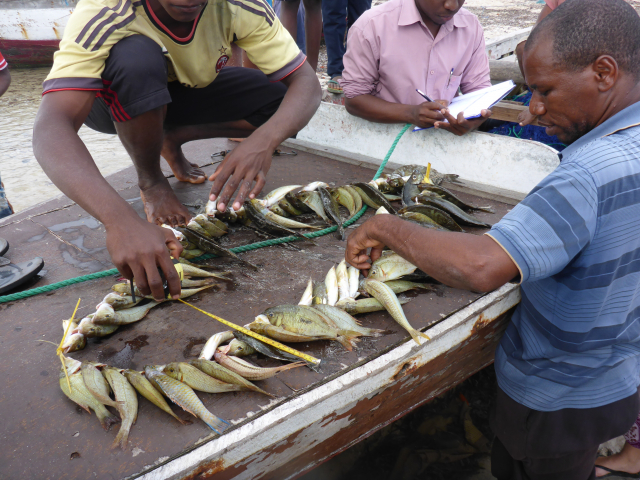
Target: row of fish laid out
120, 307
90, 385
426, 202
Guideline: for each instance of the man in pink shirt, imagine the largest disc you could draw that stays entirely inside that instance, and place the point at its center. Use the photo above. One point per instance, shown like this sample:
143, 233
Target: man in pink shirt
432, 45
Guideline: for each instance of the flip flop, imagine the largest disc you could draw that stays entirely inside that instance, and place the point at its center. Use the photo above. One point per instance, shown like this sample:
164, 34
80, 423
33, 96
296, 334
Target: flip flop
615, 473
4, 246
14, 275
333, 86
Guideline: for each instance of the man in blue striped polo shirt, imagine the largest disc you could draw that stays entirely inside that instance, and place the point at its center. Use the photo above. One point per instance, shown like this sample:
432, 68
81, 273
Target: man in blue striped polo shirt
568, 366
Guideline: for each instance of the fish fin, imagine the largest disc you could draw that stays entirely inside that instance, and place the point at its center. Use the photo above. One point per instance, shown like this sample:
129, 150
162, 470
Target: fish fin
373, 332
108, 420
216, 424
183, 422
121, 439
290, 366
415, 334
345, 342
259, 390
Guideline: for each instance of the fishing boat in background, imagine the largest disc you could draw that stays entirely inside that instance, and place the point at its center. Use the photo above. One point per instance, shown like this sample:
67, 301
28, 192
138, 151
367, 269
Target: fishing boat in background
30, 30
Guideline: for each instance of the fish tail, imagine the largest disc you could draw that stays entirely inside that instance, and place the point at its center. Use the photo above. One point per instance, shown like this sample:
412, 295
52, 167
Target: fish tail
253, 388
107, 419
289, 367
121, 439
348, 338
345, 342
216, 424
373, 332
415, 334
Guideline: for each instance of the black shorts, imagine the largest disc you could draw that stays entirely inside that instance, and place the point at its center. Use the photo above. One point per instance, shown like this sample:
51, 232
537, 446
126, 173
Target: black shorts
135, 81
560, 445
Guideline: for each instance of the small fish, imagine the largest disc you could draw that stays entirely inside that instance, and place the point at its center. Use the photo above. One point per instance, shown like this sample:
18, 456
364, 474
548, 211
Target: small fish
266, 349
332, 210
289, 208
355, 195
390, 266
194, 226
295, 203
127, 404
381, 211
179, 236
397, 181
151, 393
344, 198
420, 219
274, 196
192, 271
278, 210
190, 254
261, 221
450, 197
282, 221
119, 302
407, 170
238, 348
364, 305
372, 197
409, 192
440, 217
213, 343
314, 202
211, 208
250, 372
184, 293
208, 245
192, 283
313, 186
354, 281
331, 282
437, 178
343, 280
74, 342
80, 395
214, 227
96, 383
221, 371
186, 398
344, 321
392, 198
386, 297
91, 330
197, 379
458, 214
401, 286
307, 296
319, 293
106, 315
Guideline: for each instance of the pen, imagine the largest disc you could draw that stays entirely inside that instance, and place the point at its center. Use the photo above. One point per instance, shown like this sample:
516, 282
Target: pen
423, 95
449, 82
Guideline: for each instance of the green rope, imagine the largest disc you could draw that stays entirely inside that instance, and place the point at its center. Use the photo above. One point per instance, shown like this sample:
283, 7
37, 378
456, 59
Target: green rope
244, 248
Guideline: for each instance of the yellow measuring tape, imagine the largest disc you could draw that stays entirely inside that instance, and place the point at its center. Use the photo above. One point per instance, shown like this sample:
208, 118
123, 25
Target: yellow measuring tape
268, 341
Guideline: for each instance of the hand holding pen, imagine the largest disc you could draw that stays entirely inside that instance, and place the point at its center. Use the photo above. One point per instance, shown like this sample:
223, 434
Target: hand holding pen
427, 113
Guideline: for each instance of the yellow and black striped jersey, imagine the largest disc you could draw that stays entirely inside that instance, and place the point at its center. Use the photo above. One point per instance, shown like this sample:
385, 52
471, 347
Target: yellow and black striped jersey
97, 25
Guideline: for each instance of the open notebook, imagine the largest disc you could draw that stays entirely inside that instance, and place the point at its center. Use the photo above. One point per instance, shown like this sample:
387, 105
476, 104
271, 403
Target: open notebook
473, 103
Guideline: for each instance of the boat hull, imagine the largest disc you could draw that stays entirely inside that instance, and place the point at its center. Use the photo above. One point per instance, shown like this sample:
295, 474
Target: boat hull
30, 53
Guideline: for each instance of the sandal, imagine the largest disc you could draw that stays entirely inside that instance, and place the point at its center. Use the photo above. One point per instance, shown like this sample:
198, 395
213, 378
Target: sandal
14, 275
4, 246
615, 473
333, 86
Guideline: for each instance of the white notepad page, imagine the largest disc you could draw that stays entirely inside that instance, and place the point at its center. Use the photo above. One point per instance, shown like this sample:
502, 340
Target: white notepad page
473, 103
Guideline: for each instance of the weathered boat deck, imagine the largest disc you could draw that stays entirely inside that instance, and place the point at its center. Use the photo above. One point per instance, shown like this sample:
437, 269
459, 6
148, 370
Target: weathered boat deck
42, 428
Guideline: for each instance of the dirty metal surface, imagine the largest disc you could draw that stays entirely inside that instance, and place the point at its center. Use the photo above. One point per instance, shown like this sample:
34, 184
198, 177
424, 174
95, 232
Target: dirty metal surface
43, 431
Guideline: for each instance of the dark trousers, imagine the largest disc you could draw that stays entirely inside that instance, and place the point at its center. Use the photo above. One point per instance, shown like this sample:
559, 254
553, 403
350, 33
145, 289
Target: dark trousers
560, 445
337, 17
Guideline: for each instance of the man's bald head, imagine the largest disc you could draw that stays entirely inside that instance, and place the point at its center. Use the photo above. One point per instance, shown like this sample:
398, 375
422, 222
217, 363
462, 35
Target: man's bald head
583, 30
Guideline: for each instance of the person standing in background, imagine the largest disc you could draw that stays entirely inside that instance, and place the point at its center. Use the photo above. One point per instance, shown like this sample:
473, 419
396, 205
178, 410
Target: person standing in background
338, 16
289, 16
5, 80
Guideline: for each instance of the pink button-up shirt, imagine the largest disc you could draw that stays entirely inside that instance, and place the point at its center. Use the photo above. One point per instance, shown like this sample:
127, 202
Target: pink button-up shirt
391, 52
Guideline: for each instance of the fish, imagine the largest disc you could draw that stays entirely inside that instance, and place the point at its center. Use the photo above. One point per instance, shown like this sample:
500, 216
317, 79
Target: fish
450, 197
344, 198
211, 208
209, 246
437, 178
401, 286
381, 211
354, 281
194, 226
319, 293
193, 283
179, 236
278, 210
410, 191
343, 320
273, 197
74, 342
307, 296
304, 321
343, 280
71, 364
248, 371
407, 170
281, 221
262, 222
383, 293
91, 330
197, 379
458, 214
355, 195
214, 227
331, 282
193, 271
96, 383
392, 198
390, 266
422, 220
332, 209
213, 343
314, 186
119, 302
81, 396
314, 202
221, 371
298, 205
185, 397
441, 218
145, 388
397, 181
372, 197
106, 315
282, 335
191, 253
364, 305
290, 209
184, 293
266, 349
238, 348
127, 404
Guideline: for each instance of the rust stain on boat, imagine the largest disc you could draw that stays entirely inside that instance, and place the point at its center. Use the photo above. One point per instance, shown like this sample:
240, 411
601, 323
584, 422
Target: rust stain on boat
206, 470
25, 34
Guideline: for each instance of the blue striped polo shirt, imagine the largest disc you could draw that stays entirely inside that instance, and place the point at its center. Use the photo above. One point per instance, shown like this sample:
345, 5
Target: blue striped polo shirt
574, 340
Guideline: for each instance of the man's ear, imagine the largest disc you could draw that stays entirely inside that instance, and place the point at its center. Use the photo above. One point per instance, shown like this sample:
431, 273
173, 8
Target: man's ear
606, 72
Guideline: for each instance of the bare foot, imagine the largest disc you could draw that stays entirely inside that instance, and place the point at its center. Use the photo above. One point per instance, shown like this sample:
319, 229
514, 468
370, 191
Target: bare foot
180, 166
628, 460
162, 206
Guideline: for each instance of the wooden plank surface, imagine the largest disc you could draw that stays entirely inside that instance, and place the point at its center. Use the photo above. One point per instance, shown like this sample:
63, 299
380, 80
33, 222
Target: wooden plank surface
509, 112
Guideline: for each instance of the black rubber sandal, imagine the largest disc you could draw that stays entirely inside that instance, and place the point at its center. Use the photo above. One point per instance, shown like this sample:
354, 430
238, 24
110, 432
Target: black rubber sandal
615, 473
14, 275
4, 246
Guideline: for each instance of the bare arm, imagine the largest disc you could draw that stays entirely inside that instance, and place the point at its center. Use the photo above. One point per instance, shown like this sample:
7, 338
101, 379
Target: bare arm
460, 260
250, 161
378, 110
136, 247
5, 80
